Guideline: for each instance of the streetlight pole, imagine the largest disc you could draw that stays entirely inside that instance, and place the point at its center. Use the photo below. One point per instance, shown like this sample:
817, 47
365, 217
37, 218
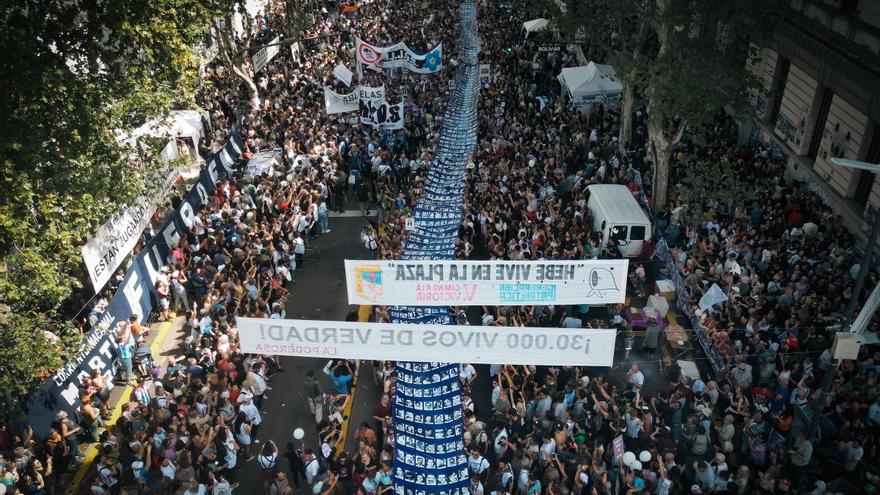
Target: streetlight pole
864, 268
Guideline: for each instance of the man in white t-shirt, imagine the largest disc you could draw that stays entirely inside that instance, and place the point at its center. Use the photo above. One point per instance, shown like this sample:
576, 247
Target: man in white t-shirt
312, 466
195, 488
468, 373
635, 378
477, 463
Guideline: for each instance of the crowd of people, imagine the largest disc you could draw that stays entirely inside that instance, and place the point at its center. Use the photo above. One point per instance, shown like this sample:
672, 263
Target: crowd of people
786, 263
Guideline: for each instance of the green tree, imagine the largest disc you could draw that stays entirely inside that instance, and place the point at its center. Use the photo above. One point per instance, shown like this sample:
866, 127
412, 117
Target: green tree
77, 74
627, 24
687, 58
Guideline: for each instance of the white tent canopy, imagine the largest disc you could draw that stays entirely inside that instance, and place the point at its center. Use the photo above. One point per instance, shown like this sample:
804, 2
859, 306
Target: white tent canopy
590, 84
185, 124
534, 25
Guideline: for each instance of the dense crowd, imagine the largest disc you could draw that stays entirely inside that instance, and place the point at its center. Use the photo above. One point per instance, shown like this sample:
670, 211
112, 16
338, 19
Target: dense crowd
785, 262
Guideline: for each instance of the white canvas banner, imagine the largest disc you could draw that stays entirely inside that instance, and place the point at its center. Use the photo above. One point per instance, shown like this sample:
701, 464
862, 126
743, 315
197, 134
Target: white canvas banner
475, 283
266, 54
343, 74
104, 252
397, 56
428, 343
337, 103
381, 115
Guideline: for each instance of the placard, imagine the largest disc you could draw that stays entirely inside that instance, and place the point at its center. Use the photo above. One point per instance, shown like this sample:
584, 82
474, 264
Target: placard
427, 343
337, 103
619, 446
485, 73
265, 54
380, 114
474, 283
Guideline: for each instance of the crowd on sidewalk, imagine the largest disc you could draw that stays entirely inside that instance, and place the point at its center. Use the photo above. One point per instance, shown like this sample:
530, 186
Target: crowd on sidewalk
785, 262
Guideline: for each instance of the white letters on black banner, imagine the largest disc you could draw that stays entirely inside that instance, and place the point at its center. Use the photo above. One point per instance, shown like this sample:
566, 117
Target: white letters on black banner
381, 114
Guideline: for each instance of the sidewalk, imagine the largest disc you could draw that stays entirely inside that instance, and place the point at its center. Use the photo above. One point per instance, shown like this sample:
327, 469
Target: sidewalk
166, 339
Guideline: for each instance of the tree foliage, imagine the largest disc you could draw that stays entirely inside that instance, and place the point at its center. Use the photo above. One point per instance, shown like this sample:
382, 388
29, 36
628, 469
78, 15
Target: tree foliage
77, 74
686, 58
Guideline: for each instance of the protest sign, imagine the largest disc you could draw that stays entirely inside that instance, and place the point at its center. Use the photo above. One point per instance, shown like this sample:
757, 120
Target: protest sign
427, 343
104, 252
619, 446
485, 73
337, 103
265, 54
397, 56
343, 74
380, 114
498, 283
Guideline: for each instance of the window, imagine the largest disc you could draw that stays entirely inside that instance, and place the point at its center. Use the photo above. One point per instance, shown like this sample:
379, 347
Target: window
618, 232
637, 233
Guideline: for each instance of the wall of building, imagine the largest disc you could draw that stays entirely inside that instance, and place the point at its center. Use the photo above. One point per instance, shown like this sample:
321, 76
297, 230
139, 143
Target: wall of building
763, 67
842, 137
806, 38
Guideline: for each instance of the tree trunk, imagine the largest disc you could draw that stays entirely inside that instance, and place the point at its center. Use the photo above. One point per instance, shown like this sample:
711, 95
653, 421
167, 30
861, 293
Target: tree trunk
234, 57
626, 111
661, 149
253, 94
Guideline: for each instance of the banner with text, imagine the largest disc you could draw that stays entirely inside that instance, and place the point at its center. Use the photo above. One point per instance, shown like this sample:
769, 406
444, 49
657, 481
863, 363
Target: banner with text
104, 252
428, 343
135, 296
398, 55
473, 283
381, 115
337, 103
266, 54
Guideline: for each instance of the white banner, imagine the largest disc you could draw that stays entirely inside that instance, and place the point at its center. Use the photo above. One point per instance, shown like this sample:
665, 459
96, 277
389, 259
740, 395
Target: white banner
398, 55
337, 103
104, 252
381, 115
475, 283
428, 343
343, 74
265, 55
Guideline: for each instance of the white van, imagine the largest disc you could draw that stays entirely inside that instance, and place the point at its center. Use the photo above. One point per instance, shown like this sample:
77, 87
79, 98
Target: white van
617, 215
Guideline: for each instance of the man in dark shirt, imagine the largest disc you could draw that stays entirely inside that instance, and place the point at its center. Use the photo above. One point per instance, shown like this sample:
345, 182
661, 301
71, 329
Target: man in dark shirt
381, 412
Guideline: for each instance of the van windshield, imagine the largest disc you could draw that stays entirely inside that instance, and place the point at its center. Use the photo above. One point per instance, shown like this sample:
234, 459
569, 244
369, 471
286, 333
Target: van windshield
618, 232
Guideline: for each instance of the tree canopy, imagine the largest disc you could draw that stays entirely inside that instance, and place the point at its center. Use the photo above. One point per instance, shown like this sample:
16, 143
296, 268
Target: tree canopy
686, 58
77, 74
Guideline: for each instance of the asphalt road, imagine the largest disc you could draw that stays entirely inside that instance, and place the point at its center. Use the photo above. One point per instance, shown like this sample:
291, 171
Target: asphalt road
319, 294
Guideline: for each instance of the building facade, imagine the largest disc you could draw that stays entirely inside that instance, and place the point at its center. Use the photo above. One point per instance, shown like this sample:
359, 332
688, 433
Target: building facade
820, 98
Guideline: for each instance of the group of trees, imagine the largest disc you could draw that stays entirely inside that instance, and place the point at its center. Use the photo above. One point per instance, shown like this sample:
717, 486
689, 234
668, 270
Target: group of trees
77, 75
685, 59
